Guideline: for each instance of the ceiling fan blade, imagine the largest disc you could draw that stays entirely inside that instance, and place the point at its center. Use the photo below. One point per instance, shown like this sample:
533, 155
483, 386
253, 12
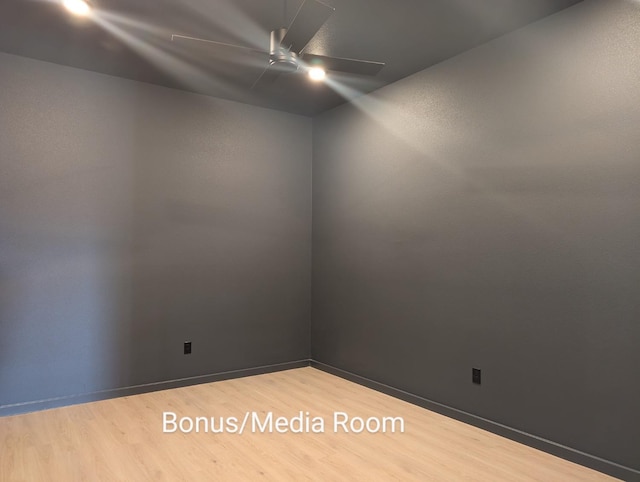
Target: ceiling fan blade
352, 66
267, 77
212, 44
311, 15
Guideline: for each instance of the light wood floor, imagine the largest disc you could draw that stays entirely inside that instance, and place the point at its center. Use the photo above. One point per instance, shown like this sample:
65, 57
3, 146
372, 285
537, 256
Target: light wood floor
122, 439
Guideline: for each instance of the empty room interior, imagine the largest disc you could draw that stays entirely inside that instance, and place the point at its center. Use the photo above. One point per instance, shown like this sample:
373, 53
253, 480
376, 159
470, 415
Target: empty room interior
320, 240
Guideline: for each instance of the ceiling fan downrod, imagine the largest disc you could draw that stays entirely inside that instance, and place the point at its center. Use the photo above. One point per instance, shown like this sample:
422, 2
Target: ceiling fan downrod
281, 57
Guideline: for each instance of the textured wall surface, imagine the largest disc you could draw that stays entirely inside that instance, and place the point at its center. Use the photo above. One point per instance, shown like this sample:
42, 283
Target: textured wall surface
486, 213
134, 218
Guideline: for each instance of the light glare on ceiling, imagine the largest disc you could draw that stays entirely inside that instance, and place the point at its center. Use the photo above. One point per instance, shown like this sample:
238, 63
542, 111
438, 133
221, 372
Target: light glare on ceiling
317, 74
77, 7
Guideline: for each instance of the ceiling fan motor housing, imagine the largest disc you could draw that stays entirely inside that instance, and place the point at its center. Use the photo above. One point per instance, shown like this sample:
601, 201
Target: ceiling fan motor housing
280, 57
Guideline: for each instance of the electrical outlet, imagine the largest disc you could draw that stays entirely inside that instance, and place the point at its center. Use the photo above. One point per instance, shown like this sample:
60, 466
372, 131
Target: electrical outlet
187, 347
476, 376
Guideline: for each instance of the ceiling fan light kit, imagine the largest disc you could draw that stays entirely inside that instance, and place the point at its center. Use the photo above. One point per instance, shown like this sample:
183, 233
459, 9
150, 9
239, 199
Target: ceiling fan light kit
317, 74
79, 8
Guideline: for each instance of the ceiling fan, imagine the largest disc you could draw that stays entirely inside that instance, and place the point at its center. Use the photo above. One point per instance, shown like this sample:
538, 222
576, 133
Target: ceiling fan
286, 52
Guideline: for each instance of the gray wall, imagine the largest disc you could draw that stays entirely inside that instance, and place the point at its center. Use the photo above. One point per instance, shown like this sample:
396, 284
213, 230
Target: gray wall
134, 218
486, 213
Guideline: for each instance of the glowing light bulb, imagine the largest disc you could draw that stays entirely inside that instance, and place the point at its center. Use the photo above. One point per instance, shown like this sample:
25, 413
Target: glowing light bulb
317, 74
77, 7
